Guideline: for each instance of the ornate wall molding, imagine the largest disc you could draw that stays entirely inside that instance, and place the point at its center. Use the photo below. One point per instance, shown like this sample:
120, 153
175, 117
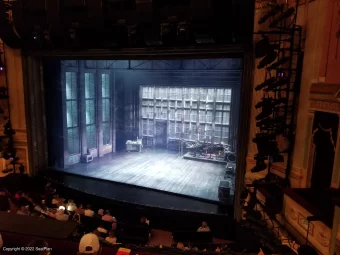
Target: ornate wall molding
326, 98
319, 233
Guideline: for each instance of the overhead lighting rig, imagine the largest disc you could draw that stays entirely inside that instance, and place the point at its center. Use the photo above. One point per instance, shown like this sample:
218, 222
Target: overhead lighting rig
280, 52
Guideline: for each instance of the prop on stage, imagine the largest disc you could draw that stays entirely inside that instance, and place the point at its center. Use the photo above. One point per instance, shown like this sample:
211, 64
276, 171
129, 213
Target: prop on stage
219, 153
134, 145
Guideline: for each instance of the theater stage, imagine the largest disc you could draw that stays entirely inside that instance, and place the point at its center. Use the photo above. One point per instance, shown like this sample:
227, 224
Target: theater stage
156, 169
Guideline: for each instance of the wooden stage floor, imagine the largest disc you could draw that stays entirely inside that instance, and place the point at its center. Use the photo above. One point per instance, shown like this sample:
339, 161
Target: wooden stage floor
156, 169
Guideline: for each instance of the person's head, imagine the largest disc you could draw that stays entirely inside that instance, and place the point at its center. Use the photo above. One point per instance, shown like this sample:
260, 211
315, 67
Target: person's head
143, 219
100, 212
18, 194
80, 206
204, 224
306, 250
41, 247
114, 225
2, 193
89, 244
112, 233
107, 212
89, 207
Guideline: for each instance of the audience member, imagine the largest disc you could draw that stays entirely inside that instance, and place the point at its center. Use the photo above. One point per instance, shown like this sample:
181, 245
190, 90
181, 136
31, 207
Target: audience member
88, 211
101, 231
40, 247
60, 215
49, 191
89, 244
80, 209
204, 227
108, 217
144, 224
23, 210
100, 212
111, 238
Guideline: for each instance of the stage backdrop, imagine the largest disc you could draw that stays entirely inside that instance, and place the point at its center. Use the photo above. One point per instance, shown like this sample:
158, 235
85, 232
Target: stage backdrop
94, 106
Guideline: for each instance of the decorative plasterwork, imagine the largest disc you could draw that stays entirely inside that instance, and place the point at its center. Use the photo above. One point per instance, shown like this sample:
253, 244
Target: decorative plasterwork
325, 97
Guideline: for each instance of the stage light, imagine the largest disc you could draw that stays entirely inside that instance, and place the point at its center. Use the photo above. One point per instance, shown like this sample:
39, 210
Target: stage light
183, 30
152, 41
287, 13
260, 166
274, 10
262, 47
204, 39
267, 110
281, 82
265, 83
280, 62
132, 34
269, 58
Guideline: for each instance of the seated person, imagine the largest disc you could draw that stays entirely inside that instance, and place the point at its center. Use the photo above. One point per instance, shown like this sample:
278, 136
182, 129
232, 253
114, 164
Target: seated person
204, 227
111, 238
101, 231
60, 215
23, 210
144, 224
89, 244
108, 217
80, 209
88, 211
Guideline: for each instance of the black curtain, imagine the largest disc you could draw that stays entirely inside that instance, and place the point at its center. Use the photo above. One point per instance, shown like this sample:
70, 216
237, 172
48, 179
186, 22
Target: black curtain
325, 132
54, 114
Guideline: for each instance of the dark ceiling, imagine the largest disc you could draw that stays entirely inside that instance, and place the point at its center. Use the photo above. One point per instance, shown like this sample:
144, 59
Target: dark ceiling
60, 24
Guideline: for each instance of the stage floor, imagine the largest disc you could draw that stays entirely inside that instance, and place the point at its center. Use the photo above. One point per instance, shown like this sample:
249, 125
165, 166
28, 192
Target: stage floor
157, 169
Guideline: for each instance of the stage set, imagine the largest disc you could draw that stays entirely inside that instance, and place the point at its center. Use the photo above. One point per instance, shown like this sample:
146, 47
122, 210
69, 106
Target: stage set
167, 125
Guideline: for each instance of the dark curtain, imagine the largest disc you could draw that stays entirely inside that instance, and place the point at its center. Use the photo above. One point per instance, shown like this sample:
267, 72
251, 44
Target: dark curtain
325, 131
54, 114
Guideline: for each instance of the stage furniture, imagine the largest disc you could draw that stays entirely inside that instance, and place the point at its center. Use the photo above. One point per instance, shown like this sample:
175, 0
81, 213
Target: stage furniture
224, 190
87, 158
134, 145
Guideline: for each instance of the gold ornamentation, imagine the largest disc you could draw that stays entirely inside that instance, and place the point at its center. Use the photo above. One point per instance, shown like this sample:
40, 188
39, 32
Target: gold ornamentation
322, 105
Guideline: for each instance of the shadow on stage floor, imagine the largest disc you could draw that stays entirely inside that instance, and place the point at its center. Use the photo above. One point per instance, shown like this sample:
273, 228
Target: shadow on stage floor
137, 195
157, 169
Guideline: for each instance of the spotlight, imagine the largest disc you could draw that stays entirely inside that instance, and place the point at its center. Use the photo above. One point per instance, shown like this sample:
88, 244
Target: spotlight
281, 61
262, 47
287, 13
132, 34
204, 39
281, 82
273, 101
152, 41
267, 110
183, 31
276, 9
260, 166
270, 121
265, 83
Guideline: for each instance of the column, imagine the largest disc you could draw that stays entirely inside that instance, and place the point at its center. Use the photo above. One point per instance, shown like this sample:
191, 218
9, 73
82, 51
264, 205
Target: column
82, 108
336, 165
309, 150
